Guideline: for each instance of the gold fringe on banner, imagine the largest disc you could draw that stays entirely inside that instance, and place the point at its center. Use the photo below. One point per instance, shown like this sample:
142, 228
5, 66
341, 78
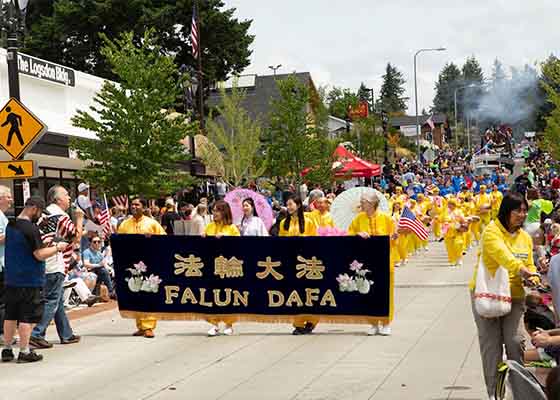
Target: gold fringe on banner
271, 319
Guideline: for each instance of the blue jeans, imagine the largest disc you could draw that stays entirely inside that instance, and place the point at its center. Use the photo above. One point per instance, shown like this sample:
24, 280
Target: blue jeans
54, 308
103, 277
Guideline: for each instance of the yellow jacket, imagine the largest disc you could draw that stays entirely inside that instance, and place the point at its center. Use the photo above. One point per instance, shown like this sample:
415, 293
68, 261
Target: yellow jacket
321, 220
380, 224
293, 229
214, 229
511, 251
144, 225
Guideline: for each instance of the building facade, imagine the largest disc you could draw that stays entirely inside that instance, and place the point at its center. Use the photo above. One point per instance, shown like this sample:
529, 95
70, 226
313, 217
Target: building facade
54, 94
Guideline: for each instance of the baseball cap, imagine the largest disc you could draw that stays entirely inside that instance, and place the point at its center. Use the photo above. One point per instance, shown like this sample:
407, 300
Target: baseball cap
82, 187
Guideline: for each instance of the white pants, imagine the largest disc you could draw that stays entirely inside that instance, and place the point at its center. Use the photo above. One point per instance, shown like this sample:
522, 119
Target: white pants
81, 289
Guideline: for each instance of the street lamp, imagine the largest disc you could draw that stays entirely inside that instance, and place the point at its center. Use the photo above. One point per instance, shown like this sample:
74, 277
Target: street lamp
416, 96
13, 23
274, 68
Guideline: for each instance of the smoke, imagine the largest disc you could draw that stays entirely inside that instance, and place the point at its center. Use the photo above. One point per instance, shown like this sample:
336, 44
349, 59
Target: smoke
510, 100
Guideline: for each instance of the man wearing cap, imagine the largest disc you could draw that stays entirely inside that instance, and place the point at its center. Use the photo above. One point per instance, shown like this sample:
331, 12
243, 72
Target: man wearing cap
83, 202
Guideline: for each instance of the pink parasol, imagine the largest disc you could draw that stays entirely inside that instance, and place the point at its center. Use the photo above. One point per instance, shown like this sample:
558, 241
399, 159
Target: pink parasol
235, 199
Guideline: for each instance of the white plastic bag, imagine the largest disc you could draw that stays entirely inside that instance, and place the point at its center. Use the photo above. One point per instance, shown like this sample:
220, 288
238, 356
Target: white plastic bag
492, 295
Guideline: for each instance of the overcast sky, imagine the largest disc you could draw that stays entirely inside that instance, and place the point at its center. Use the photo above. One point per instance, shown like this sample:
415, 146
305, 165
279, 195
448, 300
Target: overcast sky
345, 42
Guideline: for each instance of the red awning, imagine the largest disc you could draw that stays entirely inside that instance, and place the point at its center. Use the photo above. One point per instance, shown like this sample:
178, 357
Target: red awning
349, 165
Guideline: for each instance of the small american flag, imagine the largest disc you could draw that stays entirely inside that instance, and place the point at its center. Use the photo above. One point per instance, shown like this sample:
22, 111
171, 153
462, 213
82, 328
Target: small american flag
121, 201
408, 221
105, 220
194, 34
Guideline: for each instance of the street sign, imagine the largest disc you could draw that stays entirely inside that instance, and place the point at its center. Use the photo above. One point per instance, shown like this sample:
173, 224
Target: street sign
20, 169
19, 128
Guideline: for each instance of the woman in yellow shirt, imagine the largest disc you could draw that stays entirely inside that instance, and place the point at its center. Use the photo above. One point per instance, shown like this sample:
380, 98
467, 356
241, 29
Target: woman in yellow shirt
221, 226
505, 244
372, 222
298, 224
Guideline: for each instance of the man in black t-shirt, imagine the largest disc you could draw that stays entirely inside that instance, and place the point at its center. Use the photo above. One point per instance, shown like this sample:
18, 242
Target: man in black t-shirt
24, 279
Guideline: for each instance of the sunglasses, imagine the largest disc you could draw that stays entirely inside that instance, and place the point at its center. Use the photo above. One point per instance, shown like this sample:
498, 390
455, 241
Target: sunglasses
96, 241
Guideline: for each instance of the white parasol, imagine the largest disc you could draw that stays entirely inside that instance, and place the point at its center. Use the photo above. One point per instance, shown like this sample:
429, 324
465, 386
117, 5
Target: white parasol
347, 205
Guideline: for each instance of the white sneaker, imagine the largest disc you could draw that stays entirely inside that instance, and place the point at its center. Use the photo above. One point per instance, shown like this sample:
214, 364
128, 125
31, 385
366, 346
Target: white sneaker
373, 330
228, 331
213, 331
385, 330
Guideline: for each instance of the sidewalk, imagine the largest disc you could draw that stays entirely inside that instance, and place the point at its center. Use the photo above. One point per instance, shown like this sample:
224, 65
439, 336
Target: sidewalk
433, 354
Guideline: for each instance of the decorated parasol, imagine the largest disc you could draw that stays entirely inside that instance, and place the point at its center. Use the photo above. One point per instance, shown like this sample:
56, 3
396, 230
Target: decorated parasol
235, 199
347, 205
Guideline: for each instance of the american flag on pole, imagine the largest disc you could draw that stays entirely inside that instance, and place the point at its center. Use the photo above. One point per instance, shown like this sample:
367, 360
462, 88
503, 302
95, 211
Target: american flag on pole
105, 219
194, 34
409, 221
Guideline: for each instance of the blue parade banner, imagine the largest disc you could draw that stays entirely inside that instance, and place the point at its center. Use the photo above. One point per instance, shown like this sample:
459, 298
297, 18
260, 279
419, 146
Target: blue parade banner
265, 279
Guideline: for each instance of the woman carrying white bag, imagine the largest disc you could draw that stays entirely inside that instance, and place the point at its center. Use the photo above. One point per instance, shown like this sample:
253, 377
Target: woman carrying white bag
498, 296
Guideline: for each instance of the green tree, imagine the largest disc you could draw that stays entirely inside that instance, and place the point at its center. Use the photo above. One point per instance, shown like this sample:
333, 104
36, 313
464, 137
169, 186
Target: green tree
238, 136
472, 74
366, 138
138, 147
392, 90
449, 79
551, 85
545, 108
67, 32
296, 139
339, 100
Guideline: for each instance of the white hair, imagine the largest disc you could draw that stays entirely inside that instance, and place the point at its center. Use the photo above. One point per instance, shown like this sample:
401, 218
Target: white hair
370, 197
5, 191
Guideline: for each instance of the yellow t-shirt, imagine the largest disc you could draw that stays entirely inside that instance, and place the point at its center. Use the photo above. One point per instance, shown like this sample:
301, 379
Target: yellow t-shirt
144, 225
496, 197
379, 224
214, 229
293, 228
511, 251
321, 220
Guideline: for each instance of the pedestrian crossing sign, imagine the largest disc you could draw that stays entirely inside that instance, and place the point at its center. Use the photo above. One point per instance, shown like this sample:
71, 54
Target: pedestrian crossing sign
19, 128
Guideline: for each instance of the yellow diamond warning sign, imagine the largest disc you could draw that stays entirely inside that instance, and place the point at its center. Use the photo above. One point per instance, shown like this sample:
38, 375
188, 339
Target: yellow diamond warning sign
21, 169
19, 128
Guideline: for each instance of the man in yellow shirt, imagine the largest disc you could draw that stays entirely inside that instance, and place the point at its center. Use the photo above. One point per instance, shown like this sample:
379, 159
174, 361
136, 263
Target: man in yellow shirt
140, 224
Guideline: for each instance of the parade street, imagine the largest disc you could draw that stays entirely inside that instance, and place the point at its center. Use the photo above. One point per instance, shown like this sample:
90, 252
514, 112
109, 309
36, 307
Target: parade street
432, 355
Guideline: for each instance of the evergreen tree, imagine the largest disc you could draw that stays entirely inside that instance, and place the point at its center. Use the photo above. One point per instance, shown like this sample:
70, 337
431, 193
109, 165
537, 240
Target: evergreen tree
238, 136
139, 135
498, 73
449, 79
469, 98
392, 90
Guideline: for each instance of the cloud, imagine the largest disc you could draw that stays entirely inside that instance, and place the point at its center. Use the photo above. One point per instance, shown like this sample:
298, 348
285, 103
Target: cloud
351, 41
